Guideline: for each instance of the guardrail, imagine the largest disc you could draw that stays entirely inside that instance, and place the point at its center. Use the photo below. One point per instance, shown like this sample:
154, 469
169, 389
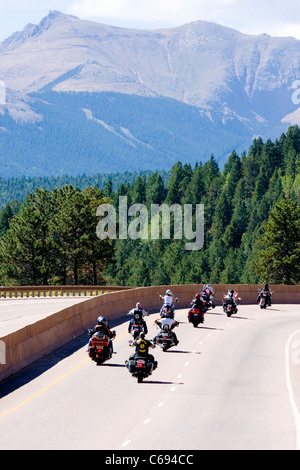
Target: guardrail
56, 291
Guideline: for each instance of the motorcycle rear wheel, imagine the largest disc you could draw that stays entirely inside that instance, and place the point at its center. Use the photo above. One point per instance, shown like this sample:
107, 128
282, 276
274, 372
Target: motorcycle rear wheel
100, 361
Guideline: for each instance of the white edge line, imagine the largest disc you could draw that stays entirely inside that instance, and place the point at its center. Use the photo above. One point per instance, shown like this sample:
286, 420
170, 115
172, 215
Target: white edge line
125, 443
290, 390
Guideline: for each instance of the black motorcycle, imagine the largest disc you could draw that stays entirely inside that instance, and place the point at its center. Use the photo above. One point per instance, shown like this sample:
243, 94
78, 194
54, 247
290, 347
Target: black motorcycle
99, 348
165, 339
136, 327
264, 299
140, 367
229, 307
167, 312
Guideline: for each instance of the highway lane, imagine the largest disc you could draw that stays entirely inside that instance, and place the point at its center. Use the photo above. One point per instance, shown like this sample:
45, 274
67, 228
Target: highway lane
232, 383
18, 313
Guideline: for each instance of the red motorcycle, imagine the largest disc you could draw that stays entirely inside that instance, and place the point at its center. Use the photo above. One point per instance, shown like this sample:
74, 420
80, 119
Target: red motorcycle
100, 349
195, 316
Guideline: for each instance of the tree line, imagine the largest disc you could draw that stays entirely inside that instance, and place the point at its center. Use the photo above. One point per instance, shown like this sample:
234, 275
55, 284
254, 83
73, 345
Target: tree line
51, 239
251, 231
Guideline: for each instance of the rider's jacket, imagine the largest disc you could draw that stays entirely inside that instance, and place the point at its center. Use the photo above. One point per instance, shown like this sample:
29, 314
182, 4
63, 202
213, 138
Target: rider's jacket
142, 347
138, 311
168, 299
197, 303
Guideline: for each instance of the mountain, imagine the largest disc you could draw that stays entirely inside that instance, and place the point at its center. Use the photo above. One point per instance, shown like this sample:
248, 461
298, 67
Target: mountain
177, 93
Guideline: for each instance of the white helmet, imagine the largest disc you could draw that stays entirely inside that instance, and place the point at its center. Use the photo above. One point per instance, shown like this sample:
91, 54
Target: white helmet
168, 292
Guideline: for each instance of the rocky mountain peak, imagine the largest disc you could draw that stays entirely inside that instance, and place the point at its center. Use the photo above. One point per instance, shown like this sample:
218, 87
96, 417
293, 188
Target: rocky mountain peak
30, 31
200, 63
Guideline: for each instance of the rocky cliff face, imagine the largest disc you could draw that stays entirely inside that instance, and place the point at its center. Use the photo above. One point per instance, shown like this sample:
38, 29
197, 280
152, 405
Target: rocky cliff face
210, 66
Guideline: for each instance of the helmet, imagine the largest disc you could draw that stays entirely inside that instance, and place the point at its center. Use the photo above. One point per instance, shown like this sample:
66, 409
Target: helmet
266, 286
197, 296
169, 292
102, 321
138, 305
231, 291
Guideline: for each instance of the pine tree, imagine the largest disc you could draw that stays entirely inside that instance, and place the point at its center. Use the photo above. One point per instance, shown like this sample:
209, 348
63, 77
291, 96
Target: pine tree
27, 252
174, 187
155, 190
278, 260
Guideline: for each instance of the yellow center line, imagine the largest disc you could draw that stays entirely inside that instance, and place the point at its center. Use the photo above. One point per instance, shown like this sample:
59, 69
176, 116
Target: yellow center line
60, 379
44, 389
57, 381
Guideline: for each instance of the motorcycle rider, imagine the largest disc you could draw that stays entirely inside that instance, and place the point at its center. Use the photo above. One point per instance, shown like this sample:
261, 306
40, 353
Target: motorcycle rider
140, 312
207, 295
198, 303
168, 300
142, 346
265, 290
171, 323
230, 297
102, 326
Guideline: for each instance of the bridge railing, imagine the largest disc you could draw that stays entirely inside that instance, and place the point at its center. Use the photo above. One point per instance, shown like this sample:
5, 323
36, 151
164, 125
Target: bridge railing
56, 291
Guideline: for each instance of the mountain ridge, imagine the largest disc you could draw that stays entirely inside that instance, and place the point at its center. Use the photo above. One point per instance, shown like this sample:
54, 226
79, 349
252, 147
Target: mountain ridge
242, 84
169, 62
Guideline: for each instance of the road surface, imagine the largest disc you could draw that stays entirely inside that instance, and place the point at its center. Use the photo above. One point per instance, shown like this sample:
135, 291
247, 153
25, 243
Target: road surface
232, 383
18, 313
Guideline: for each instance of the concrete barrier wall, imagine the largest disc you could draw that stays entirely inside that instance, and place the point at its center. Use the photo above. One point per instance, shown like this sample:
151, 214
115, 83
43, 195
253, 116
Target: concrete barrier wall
34, 341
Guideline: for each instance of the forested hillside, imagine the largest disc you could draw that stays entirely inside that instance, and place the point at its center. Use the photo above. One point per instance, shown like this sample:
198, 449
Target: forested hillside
20, 187
252, 226
76, 133
237, 202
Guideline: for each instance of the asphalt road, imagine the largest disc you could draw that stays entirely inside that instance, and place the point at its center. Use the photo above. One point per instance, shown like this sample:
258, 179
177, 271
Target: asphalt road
17, 313
232, 383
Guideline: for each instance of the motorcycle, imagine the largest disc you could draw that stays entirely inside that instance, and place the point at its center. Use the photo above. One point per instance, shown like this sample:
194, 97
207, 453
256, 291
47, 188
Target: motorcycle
136, 327
165, 339
207, 299
140, 367
230, 308
263, 303
99, 349
195, 316
167, 312
230, 302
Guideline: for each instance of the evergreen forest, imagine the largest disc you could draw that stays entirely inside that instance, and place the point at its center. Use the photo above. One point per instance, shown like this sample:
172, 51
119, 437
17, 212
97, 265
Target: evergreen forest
251, 225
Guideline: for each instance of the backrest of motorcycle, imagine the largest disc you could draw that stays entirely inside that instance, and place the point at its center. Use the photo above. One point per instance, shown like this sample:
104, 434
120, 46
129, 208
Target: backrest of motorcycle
100, 340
